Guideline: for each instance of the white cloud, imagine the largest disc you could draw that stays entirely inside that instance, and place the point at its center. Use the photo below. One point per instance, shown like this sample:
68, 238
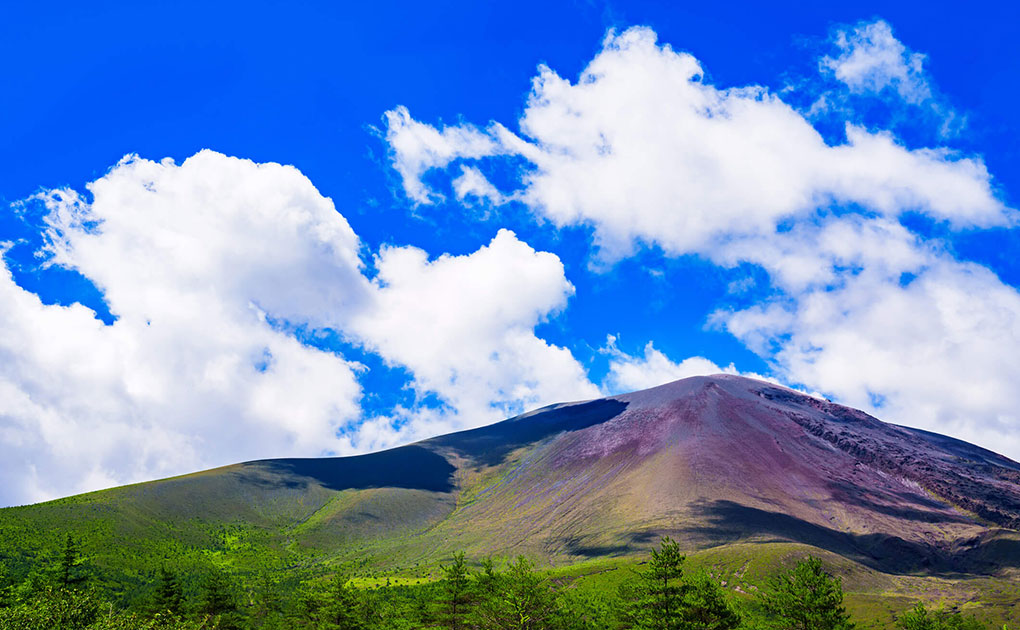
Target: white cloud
206, 265
871, 59
464, 325
641, 149
819, 254
871, 62
190, 258
628, 373
471, 183
417, 148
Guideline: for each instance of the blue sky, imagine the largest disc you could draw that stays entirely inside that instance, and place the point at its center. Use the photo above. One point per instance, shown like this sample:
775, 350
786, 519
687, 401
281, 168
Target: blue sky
823, 195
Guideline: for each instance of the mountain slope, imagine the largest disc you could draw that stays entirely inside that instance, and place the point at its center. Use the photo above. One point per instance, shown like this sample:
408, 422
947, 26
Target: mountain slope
712, 461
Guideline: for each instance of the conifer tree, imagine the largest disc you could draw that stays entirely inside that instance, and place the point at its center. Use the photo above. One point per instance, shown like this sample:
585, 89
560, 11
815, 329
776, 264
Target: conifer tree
267, 601
71, 573
806, 598
6, 588
521, 599
704, 606
456, 592
659, 592
219, 600
583, 609
338, 608
169, 595
487, 580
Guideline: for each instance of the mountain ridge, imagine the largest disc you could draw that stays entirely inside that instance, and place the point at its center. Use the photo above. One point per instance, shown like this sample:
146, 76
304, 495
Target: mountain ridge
712, 461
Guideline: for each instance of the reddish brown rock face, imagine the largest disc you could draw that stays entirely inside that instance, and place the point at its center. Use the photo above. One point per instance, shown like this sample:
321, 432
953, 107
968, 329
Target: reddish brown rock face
723, 459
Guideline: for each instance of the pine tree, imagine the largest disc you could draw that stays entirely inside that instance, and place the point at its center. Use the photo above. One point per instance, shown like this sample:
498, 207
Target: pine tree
71, 572
659, 592
456, 592
169, 595
342, 609
806, 598
583, 609
487, 580
219, 600
704, 606
6, 588
521, 599
267, 601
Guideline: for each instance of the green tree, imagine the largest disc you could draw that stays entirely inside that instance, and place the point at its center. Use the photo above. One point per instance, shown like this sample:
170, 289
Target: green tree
395, 608
664, 597
456, 595
704, 605
6, 587
920, 618
267, 603
66, 609
583, 609
219, 600
487, 580
522, 600
420, 607
71, 572
657, 597
338, 607
805, 598
169, 594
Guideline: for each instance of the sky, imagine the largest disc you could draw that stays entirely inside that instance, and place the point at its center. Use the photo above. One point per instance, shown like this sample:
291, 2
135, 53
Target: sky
234, 231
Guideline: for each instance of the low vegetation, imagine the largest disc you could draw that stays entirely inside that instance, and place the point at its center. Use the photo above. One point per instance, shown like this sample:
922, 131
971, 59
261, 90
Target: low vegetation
660, 593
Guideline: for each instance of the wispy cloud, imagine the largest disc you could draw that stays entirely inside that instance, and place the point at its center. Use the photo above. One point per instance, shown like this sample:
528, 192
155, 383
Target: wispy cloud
869, 61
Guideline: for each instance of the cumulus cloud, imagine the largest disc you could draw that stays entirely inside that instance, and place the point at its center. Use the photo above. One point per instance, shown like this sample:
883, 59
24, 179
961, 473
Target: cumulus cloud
819, 254
644, 151
190, 259
207, 266
464, 325
868, 62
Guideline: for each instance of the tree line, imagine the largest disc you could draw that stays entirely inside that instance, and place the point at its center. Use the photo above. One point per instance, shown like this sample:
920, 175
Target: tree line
662, 595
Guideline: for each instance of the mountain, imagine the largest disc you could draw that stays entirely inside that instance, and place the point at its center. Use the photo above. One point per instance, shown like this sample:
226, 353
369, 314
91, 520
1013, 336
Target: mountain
716, 462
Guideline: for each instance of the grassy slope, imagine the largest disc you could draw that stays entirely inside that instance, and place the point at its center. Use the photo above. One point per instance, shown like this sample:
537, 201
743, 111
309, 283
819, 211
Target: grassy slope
872, 597
291, 527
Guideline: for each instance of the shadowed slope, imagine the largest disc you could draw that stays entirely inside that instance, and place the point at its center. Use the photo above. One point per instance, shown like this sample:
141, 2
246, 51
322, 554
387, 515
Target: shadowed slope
490, 445
409, 467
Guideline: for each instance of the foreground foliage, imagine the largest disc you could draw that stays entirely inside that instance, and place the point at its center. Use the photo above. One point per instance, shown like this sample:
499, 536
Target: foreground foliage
663, 595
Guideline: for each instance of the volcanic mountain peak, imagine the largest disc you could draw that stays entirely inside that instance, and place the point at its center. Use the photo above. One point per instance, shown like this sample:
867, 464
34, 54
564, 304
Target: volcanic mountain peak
725, 458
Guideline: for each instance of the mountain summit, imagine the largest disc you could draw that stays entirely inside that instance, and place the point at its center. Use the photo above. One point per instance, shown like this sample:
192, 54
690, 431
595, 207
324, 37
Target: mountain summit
711, 461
